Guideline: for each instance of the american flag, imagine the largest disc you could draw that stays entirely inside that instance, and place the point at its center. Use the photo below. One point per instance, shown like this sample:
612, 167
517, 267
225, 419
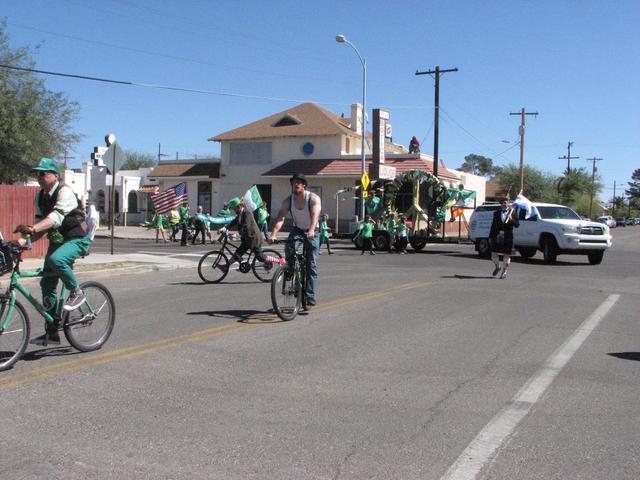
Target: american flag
170, 198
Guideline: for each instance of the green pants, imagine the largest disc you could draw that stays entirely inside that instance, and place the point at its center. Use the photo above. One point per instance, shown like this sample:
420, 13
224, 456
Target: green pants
59, 260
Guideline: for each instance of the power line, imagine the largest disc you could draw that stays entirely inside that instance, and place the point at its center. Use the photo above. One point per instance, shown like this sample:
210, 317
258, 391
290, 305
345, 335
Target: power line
179, 89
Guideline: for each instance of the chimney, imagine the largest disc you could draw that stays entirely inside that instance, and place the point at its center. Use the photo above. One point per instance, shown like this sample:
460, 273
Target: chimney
356, 117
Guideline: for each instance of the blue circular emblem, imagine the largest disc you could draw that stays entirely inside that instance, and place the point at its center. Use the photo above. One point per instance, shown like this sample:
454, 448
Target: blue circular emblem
307, 148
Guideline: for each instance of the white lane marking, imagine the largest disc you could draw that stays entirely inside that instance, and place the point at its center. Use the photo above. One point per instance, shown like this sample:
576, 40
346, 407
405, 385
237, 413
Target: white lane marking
483, 448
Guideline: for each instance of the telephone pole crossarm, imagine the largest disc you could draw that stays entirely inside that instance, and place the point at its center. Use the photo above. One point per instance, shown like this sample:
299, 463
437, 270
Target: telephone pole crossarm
436, 114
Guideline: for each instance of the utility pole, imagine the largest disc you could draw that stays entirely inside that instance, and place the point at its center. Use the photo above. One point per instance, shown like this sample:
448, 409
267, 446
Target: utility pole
523, 115
66, 159
593, 181
613, 203
436, 113
568, 157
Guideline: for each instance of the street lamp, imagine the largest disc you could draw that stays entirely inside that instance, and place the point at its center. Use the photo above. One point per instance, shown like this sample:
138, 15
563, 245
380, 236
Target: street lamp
342, 39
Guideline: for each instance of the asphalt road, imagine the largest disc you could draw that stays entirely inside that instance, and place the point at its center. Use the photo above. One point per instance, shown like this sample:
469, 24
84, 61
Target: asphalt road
416, 366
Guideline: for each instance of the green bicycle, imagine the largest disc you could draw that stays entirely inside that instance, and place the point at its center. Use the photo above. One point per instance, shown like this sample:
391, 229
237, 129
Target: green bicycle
86, 328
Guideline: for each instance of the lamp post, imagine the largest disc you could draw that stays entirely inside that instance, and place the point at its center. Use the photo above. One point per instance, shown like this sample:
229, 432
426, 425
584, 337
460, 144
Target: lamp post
342, 39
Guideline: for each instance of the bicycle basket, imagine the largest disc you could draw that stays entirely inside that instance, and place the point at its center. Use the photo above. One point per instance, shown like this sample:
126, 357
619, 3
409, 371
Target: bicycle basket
6, 258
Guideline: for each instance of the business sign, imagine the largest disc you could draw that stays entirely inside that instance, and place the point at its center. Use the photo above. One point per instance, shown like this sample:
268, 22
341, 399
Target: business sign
387, 172
379, 131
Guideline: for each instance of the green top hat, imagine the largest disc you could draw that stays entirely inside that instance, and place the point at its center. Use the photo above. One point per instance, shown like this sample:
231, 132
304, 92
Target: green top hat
47, 165
234, 202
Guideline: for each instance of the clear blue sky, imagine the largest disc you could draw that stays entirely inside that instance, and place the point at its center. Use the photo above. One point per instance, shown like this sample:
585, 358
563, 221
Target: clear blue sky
577, 63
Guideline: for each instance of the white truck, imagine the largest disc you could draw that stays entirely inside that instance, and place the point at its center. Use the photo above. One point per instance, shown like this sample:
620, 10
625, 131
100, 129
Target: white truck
556, 230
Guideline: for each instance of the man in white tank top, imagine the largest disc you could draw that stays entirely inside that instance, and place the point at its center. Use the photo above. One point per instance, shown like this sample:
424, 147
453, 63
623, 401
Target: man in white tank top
305, 208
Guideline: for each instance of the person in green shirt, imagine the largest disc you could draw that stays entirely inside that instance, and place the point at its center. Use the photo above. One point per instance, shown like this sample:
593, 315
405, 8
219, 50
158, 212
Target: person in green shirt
261, 216
158, 222
324, 232
183, 210
391, 230
366, 234
402, 237
225, 211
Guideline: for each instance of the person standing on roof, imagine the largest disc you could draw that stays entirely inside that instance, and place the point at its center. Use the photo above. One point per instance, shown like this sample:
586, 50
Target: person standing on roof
305, 207
414, 145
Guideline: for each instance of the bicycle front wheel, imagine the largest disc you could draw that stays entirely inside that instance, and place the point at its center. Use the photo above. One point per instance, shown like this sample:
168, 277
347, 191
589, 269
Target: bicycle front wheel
15, 337
89, 326
213, 266
286, 293
264, 270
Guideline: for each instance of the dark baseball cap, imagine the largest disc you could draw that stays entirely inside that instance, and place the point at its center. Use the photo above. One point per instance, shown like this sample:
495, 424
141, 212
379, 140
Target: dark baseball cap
300, 177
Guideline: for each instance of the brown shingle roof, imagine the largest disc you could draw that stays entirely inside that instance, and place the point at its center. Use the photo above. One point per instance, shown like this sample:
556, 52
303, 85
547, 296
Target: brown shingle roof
314, 121
196, 169
352, 167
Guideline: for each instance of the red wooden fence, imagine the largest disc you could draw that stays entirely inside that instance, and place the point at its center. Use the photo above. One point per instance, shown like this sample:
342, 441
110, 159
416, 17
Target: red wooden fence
16, 207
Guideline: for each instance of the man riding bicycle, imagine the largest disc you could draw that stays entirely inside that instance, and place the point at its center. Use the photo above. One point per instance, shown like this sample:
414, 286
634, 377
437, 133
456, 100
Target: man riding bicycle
60, 216
305, 208
250, 234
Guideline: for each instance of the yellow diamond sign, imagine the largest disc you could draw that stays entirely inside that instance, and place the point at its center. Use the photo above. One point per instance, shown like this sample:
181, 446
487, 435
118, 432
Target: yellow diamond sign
365, 181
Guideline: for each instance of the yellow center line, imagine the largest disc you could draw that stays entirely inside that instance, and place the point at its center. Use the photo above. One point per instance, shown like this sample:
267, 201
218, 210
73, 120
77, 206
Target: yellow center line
70, 366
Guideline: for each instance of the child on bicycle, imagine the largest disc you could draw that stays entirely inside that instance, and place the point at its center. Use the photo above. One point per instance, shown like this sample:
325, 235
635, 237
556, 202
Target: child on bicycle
250, 234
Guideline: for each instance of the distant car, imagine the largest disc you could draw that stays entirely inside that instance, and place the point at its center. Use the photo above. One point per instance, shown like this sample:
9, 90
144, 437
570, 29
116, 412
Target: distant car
631, 221
621, 221
607, 220
637, 221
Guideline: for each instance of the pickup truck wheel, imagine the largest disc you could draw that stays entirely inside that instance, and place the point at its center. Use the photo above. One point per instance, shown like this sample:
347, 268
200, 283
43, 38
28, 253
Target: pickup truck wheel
483, 248
381, 241
549, 249
527, 252
595, 258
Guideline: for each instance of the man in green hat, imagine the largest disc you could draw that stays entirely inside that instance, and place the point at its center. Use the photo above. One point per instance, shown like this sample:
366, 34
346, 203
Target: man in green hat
250, 234
60, 216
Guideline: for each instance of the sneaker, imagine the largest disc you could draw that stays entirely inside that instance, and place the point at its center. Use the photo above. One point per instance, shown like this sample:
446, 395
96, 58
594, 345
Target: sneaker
496, 270
504, 273
372, 253
74, 300
311, 302
46, 339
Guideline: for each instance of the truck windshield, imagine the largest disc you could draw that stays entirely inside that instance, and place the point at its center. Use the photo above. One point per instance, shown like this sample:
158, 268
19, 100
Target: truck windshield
563, 213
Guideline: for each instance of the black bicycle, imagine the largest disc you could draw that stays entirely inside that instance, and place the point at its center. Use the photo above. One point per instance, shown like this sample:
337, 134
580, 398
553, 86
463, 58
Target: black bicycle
289, 284
214, 265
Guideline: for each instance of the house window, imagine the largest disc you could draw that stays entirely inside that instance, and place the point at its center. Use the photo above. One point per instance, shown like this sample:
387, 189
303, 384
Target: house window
287, 121
258, 153
204, 196
132, 202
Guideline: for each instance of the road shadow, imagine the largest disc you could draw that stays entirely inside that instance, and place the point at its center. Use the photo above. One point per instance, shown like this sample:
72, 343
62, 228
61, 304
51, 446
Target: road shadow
626, 355
224, 282
49, 352
469, 277
521, 260
250, 317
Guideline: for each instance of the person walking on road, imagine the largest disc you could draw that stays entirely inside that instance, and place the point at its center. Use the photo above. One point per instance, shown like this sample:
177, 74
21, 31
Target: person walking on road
501, 237
324, 233
183, 211
305, 208
158, 222
174, 223
198, 222
402, 237
392, 230
366, 234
